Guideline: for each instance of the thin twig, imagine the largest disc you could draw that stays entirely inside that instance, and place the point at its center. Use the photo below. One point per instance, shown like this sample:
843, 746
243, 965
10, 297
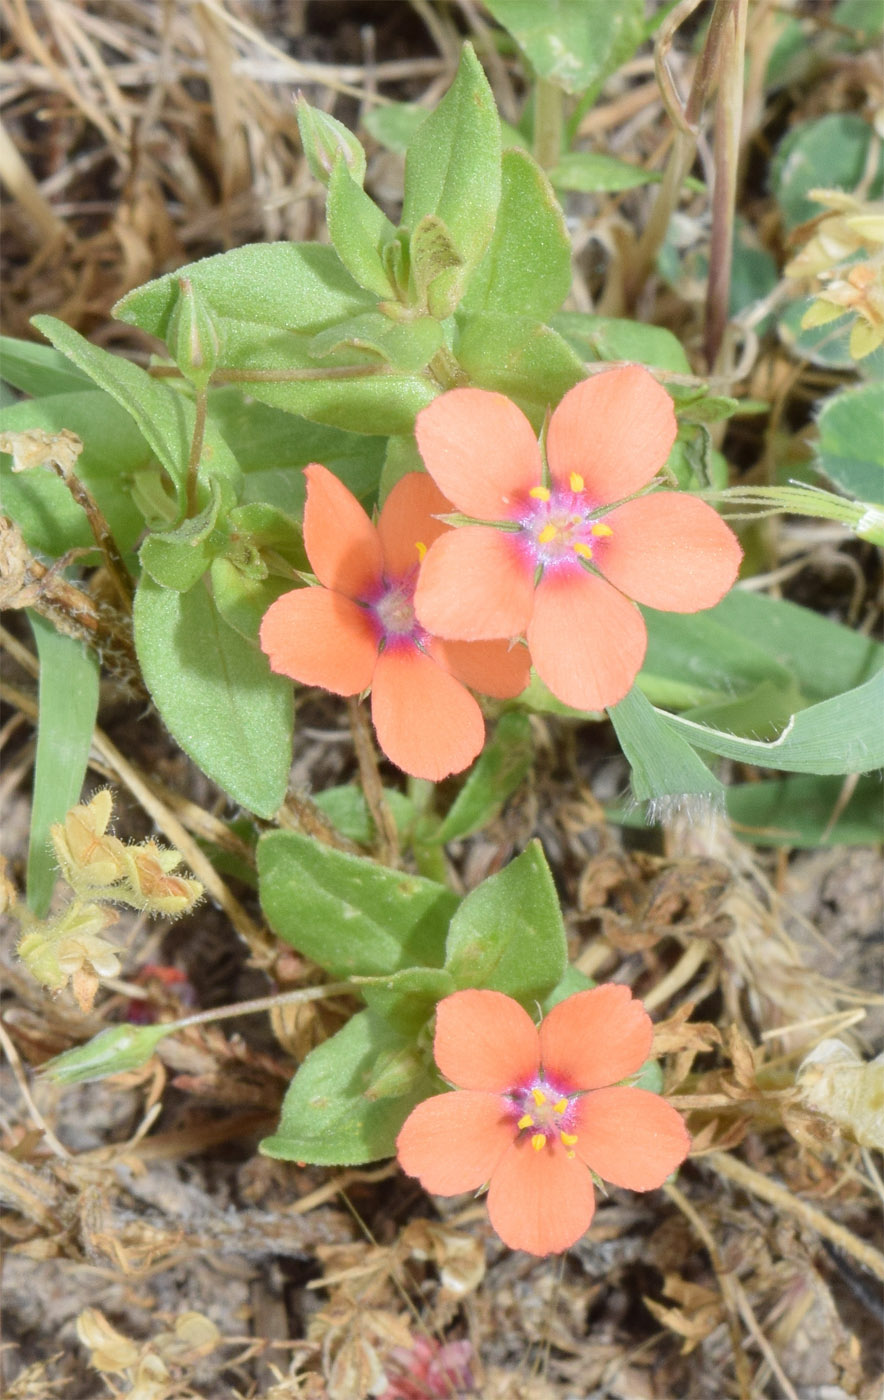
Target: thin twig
372, 787
732, 1169
21, 1080
725, 1283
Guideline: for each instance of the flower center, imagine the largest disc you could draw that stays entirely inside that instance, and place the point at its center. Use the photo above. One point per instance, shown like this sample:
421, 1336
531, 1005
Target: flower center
561, 525
545, 1112
395, 609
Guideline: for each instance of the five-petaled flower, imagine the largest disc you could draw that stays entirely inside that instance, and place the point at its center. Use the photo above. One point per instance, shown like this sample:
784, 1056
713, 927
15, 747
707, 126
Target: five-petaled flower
558, 552
358, 630
537, 1110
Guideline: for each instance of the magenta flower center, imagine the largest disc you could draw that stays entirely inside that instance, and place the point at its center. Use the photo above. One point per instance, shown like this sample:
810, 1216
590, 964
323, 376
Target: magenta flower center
544, 1110
393, 612
561, 526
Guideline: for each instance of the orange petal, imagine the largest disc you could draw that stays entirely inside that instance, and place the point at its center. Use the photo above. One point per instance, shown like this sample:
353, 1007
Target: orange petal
586, 640
406, 520
595, 1038
630, 1137
480, 450
485, 1040
500, 668
427, 723
341, 542
670, 551
452, 1143
615, 430
543, 1201
320, 638
475, 585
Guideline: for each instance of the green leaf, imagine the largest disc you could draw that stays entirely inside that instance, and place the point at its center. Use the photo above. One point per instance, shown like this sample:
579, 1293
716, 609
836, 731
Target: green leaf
612, 338
840, 735
178, 558
271, 445
242, 601
663, 772
351, 916
395, 126
216, 694
824, 657
697, 659
592, 171
519, 357
806, 812
113, 452
573, 43
347, 810
253, 290
452, 169
851, 443
527, 267
37, 369
500, 768
571, 981
406, 345
829, 152
406, 1000
359, 230
68, 705
164, 417
269, 301
115, 1050
327, 1117
508, 933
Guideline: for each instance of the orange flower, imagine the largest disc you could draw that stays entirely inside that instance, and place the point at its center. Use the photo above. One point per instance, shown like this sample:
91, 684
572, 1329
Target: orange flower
534, 1116
358, 630
556, 556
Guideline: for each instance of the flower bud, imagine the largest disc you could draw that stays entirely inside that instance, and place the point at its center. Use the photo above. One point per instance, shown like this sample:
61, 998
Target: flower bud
192, 336
324, 138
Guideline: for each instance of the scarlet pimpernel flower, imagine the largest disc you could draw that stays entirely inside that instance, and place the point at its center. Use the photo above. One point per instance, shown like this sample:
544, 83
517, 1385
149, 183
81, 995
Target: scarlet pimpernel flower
536, 1111
358, 630
555, 549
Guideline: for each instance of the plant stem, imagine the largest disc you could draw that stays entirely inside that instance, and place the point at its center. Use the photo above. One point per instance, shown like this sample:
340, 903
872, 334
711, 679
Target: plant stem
372, 787
728, 115
548, 123
196, 451
686, 119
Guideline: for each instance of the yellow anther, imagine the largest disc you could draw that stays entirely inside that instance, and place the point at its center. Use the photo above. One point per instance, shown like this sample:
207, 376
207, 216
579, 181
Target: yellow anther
568, 1139
539, 493
421, 549
576, 481
526, 1121
560, 1106
538, 1141
601, 532
538, 1096
548, 533
584, 550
